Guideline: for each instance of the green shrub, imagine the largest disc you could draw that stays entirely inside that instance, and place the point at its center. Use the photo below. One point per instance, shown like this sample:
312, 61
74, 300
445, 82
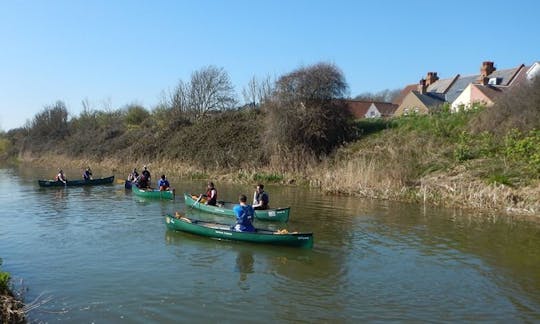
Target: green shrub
4, 279
499, 178
267, 177
524, 149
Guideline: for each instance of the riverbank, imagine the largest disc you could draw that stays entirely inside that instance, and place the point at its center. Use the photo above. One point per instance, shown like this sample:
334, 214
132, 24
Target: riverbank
11, 307
458, 187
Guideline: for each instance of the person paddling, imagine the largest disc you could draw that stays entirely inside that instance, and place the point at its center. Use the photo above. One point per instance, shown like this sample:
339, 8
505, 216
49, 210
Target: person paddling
211, 194
61, 176
244, 216
163, 183
260, 198
87, 174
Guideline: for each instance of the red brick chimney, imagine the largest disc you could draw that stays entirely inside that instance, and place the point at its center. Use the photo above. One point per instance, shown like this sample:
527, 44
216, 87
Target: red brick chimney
422, 86
486, 69
431, 77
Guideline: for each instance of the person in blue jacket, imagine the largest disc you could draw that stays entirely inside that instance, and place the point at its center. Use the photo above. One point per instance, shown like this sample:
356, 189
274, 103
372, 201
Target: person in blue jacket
163, 183
244, 216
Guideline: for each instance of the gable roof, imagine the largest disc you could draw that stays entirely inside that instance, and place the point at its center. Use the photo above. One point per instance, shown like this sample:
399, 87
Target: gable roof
386, 108
442, 85
399, 99
459, 85
430, 100
489, 91
507, 75
358, 108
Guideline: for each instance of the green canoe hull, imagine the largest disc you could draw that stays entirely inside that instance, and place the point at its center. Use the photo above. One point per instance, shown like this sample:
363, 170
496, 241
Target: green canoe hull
223, 231
76, 183
226, 209
152, 193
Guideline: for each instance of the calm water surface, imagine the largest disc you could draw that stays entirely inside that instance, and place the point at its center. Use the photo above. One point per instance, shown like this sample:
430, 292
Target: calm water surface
101, 255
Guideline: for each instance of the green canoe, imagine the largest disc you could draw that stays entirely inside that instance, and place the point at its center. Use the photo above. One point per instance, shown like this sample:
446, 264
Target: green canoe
226, 209
224, 232
73, 183
153, 193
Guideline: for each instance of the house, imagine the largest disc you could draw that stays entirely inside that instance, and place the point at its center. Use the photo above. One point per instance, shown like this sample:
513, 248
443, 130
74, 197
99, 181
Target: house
432, 91
419, 101
489, 84
370, 109
476, 93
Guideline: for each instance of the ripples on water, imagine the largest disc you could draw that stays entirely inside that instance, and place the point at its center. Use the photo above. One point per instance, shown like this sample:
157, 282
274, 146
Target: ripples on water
105, 256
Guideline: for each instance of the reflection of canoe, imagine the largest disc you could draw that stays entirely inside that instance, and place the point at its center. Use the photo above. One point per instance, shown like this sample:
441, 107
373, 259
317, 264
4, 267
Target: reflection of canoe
72, 183
223, 231
226, 209
153, 193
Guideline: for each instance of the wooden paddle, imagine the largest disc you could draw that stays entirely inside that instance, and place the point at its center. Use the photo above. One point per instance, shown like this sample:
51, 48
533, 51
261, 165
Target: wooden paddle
198, 200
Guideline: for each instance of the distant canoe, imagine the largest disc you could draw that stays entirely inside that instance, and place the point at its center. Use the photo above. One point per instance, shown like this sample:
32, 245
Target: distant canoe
74, 183
226, 209
153, 193
223, 231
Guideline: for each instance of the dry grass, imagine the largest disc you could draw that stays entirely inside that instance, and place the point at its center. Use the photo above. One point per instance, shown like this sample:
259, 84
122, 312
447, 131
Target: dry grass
11, 309
462, 189
377, 175
458, 187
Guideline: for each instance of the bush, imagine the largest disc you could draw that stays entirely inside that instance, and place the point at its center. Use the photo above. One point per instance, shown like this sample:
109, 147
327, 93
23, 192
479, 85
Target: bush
524, 149
4, 279
305, 113
518, 109
136, 115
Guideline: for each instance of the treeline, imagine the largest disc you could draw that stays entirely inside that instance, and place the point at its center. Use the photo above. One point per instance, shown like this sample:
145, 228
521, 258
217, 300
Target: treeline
298, 117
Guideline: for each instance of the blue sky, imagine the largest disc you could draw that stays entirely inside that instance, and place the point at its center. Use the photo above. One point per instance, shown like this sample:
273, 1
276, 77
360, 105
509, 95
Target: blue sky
114, 53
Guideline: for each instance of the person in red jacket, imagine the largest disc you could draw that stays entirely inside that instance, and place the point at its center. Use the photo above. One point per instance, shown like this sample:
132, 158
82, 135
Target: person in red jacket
211, 194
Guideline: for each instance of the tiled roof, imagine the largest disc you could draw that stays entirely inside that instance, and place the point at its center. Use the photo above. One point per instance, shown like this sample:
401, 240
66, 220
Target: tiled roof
430, 99
453, 87
457, 88
506, 76
386, 108
399, 99
442, 85
489, 91
358, 108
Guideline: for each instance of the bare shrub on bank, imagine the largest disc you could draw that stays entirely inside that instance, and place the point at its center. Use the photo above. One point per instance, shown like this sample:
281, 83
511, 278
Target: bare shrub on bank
49, 125
305, 113
519, 109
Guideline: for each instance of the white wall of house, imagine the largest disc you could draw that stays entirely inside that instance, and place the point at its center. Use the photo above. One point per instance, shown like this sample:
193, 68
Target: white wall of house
533, 71
463, 101
373, 112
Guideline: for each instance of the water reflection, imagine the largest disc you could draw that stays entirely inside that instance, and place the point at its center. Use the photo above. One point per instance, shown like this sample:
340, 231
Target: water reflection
244, 266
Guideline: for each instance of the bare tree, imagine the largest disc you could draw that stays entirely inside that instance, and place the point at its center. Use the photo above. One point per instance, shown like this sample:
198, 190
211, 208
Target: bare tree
179, 98
257, 91
386, 95
210, 89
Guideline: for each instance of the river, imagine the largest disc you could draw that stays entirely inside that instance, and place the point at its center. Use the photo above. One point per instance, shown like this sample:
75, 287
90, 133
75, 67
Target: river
99, 254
